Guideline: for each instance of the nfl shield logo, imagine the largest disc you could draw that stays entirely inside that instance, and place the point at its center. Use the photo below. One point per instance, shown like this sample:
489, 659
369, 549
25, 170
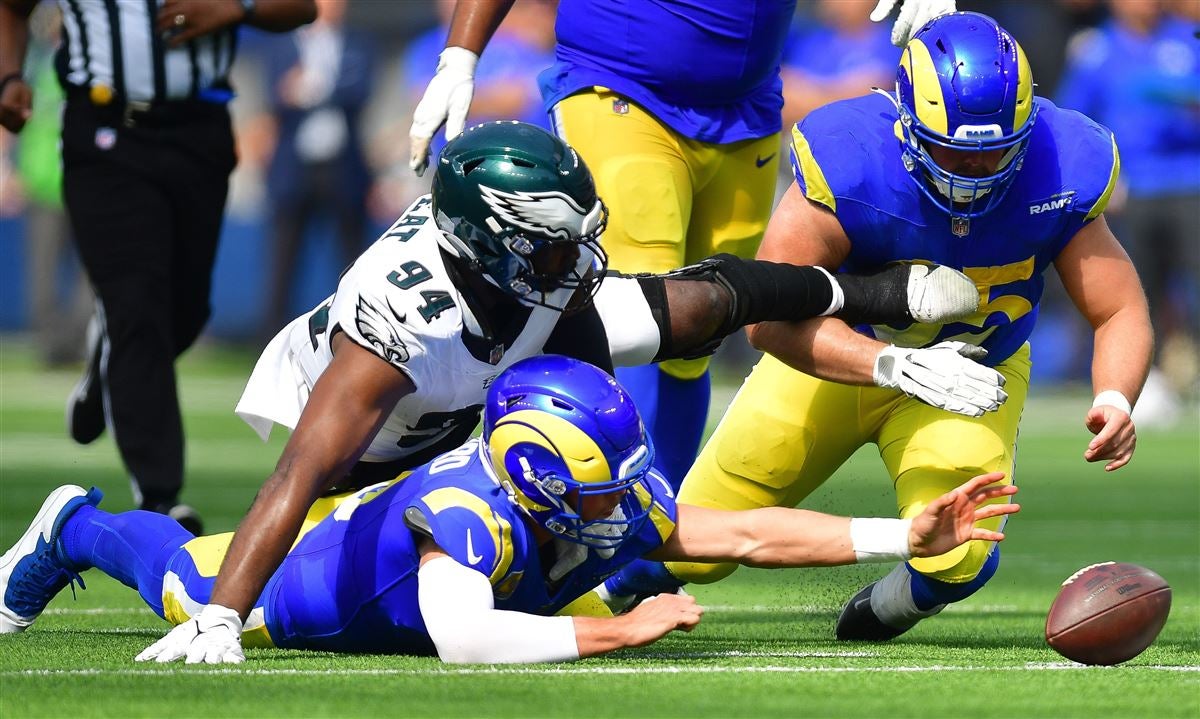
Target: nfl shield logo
496, 354
621, 107
959, 226
106, 137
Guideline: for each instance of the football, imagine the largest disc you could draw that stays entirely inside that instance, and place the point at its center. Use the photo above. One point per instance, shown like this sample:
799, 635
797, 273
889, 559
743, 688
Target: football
1108, 613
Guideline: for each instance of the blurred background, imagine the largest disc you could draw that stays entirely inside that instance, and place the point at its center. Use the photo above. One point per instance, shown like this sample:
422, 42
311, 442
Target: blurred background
323, 143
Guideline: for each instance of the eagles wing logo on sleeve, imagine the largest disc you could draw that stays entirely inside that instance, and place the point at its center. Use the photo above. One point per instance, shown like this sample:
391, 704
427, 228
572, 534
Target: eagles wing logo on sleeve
377, 327
553, 214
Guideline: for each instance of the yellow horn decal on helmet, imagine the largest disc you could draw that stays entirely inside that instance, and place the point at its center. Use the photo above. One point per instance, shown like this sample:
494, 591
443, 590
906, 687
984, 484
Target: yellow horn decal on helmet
927, 91
1024, 90
577, 450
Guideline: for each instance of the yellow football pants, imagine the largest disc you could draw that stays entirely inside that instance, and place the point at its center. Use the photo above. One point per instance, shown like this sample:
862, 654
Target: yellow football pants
672, 200
785, 433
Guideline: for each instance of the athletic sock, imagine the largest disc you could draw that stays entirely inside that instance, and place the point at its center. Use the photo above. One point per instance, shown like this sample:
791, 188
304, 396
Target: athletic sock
642, 576
131, 547
905, 596
675, 412
928, 592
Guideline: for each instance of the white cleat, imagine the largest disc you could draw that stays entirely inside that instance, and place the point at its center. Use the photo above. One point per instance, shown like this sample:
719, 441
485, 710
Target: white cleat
35, 569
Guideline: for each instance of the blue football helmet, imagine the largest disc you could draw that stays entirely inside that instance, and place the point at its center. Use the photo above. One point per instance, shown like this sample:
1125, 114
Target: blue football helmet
964, 84
519, 206
557, 431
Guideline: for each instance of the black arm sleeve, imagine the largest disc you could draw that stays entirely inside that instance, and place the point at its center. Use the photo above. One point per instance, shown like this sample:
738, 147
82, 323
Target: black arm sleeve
581, 335
699, 305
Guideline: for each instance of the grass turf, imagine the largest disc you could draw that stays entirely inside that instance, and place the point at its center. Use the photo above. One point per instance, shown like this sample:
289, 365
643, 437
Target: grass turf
764, 649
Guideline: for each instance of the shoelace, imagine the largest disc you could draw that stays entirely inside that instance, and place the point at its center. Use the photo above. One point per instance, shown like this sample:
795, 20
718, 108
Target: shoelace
48, 572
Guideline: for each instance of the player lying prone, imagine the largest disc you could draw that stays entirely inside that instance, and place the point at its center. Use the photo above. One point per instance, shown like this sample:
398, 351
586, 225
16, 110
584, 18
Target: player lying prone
472, 556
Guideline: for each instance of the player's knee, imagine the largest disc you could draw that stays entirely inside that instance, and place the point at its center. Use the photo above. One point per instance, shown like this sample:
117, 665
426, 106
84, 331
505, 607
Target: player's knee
685, 369
697, 573
972, 563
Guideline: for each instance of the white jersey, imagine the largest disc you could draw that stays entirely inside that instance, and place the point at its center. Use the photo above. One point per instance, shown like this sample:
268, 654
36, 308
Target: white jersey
399, 301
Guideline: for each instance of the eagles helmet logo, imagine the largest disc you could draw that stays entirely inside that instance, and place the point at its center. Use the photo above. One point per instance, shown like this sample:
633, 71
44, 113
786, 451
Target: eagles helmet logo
553, 214
376, 327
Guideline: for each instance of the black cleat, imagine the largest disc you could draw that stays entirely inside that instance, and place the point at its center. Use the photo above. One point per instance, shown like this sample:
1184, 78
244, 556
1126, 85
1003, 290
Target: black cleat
85, 405
187, 518
858, 622
182, 513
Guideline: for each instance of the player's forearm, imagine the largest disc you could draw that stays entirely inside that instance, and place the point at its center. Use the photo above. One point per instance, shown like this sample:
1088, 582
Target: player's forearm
774, 537
14, 34
474, 23
823, 347
261, 542
596, 636
1124, 347
282, 15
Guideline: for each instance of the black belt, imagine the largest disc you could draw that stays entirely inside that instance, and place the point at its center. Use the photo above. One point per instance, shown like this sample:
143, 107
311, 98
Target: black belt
134, 113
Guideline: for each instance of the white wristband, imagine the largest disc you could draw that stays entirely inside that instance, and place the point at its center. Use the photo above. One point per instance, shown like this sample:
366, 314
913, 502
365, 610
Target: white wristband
880, 540
1113, 398
839, 297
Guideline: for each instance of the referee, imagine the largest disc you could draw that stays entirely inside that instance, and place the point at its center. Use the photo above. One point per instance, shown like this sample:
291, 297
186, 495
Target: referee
147, 152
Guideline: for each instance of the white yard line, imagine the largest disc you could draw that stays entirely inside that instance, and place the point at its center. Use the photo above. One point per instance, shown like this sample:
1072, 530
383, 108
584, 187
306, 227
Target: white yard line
582, 670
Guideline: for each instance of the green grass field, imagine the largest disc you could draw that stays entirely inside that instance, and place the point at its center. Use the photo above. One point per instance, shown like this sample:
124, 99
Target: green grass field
764, 649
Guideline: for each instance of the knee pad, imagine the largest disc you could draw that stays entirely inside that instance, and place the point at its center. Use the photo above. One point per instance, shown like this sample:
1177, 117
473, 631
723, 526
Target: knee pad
698, 573
686, 369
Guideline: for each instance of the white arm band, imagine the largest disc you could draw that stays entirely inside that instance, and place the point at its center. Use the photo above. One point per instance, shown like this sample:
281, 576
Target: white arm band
1113, 398
880, 540
839, 297
458, 608
633, 335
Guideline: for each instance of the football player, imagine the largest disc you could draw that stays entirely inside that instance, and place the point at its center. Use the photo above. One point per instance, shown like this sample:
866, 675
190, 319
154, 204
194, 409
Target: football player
498, 264
472, 555
676, 108
964, 166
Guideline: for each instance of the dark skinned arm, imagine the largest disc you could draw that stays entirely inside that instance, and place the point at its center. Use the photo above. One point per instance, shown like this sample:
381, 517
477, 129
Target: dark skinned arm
475, 21
348, 405
16, 99
205, 16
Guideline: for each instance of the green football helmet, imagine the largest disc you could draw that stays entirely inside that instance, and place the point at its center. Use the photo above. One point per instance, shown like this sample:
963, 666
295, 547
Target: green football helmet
519, 206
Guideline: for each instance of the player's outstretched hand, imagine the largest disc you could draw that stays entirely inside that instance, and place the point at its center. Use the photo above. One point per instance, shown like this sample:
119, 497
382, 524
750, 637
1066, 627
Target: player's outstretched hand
659, 615
913, 16
1115, 436
946, 375
949, 520
446, 100
213, 636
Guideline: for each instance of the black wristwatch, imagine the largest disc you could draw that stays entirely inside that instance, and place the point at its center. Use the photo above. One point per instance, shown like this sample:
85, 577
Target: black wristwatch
248, 7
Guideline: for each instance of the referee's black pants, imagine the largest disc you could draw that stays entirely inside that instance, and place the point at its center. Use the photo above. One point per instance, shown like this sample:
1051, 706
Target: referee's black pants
146, 196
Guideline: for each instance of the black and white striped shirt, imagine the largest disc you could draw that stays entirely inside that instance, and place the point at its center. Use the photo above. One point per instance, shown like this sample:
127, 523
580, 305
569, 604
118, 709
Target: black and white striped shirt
113, 45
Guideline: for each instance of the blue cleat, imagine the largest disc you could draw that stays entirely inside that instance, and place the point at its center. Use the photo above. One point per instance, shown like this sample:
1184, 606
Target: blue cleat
36, 568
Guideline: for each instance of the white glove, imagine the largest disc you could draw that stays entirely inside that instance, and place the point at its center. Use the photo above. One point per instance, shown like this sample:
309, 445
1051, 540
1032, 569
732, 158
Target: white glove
213, 636
913, 16
941, 295
446, 100
945, 376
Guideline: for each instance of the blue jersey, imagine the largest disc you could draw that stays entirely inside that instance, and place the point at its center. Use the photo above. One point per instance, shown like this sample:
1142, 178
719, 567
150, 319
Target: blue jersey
350, 584
709, 70
847, 156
